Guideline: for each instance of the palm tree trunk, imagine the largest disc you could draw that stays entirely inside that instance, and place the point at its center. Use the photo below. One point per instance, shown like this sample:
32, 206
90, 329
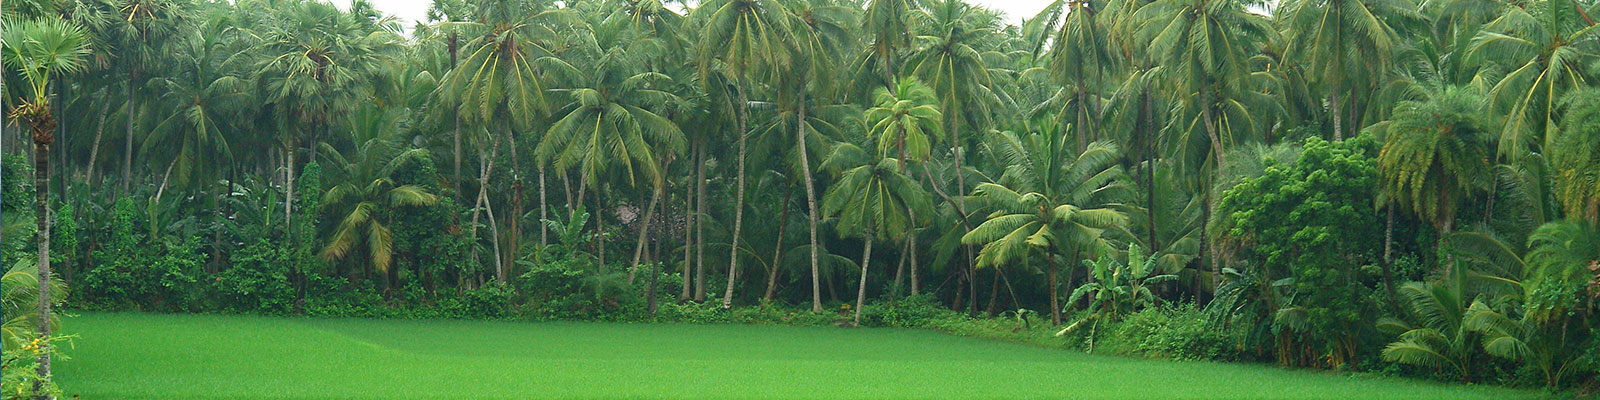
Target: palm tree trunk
544, 207
41, 206
994, 291
288, 185
1388, 266
914, 279
1147, 113
699, 227
127, 145
777, 247
494, 240
861, 290
1055, 298
811, 209
900, 271
1333, 106
644, 227
99, 132
599, 227
485, 165
165, 178
738, 204
688, 241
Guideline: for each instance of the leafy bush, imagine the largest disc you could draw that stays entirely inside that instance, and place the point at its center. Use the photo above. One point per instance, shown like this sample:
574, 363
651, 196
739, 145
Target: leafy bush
258, 281
908, 312
1175, 333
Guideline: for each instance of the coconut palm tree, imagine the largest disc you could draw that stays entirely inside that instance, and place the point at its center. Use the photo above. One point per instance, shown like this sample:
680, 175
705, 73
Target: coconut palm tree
1545, 47
141, 30
366, 198
209, 92
41, 50
1203, 48
316, 63
1079, 56
904, 121
873, 200
1049, 203
1436, 152
748, 38
1347, 45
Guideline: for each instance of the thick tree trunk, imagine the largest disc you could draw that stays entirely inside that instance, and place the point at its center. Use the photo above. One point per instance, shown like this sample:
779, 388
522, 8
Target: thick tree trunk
42, 220
811, 210
1333, 105
1388, 266
915, 283
861, 290
994, 291
738, 204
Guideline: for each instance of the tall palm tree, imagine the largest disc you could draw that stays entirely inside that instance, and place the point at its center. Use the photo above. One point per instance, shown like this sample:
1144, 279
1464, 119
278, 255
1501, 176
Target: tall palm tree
953, 63
1079, 56
366, 198
1203, 47
873, 200
1436, 152
1545, 47
887, 25
209, 93
497, 87
1347, 44
821, 29
316, 64
1049, 203
41, 50
141, 31
613, 125
747, 37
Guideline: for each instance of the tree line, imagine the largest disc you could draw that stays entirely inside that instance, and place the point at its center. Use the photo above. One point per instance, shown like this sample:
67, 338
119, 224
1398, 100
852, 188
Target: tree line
1294, 170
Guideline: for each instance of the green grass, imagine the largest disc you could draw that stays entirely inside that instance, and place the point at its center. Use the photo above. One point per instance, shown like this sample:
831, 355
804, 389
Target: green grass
139, 356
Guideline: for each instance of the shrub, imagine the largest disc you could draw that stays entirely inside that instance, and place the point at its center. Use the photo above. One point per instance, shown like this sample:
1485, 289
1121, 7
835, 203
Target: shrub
908, 312
257, 281
1175, 333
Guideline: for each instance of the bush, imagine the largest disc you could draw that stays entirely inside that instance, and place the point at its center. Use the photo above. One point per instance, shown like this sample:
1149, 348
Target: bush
257, 282
909, 312
1175, 333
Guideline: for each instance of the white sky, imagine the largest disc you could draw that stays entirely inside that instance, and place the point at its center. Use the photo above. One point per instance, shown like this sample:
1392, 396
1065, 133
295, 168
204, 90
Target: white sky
410, 11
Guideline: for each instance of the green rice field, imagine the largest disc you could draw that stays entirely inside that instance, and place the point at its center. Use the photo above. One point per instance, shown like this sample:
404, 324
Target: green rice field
141, 356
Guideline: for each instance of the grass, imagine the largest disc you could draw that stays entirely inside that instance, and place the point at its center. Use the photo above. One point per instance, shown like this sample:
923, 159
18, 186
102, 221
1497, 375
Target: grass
141, 356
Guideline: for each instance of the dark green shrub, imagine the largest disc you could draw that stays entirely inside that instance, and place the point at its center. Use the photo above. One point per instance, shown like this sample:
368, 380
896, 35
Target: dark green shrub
907, 312
257, 281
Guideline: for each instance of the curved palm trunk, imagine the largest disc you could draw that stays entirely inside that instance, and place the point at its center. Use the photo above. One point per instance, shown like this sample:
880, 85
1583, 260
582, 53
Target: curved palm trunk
99, 132
811, 210
861, 290
644, 228
777, 247
738, 211
486, 164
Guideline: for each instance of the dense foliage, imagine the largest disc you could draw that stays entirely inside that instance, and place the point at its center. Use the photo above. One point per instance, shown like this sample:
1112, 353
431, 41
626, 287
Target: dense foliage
1219, 179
